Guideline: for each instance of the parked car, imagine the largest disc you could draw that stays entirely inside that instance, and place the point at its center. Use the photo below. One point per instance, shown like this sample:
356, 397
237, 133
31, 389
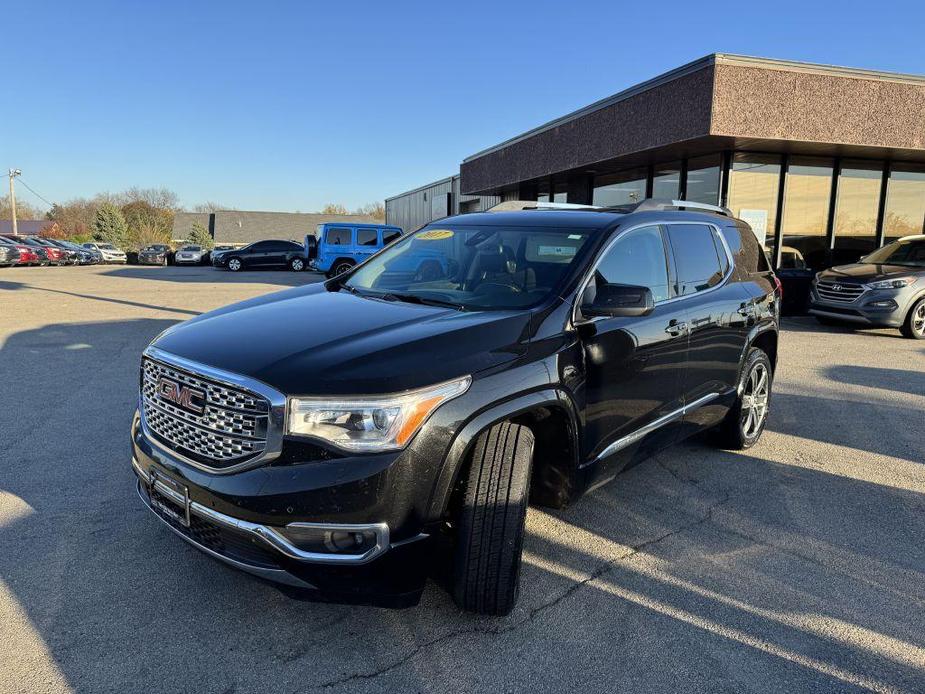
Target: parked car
48, 255
28, 255
155, 254
85, 256
341, 246
884, 289
9, 255
109, 253
70, 255
190, 255
273, 253
382, 423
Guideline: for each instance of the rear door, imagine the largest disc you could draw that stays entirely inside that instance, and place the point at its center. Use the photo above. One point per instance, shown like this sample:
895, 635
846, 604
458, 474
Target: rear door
717, 323
634, 367
367, 242
338, 243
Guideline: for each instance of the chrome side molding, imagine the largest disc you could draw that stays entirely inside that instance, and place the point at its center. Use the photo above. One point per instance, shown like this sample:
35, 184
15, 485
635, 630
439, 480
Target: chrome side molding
643, 431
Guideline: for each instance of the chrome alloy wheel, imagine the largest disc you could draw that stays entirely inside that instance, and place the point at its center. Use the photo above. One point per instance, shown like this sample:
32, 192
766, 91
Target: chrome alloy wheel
755, 400
918, 320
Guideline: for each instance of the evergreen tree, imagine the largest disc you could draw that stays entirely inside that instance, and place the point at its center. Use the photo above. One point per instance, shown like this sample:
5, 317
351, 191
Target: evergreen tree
109, 226
199, 236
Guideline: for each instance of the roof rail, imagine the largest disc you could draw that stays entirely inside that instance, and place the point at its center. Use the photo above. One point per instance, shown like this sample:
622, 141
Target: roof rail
654, 204
514, 205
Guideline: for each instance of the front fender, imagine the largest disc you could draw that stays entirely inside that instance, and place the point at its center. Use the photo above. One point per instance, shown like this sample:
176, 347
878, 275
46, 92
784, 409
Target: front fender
547, 397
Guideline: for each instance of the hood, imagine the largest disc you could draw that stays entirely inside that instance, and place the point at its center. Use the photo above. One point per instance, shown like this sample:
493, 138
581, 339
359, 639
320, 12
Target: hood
310, 340
867, 272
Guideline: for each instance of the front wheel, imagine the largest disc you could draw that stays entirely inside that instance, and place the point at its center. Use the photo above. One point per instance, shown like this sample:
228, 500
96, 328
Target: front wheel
914, 325
490, 532
297, 265
235, 265
745, 422
340, 267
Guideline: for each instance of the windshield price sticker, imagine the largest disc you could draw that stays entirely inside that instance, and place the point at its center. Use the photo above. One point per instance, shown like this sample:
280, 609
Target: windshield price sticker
435, 235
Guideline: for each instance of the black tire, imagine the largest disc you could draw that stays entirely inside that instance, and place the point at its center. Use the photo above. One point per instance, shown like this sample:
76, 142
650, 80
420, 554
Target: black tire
733, 433
914, 325
341, 266
235, 264
490, 532
296, 264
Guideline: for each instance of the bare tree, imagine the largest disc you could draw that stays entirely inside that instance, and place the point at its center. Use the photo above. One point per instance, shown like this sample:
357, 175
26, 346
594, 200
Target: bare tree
333, 208
210, 206
376, 210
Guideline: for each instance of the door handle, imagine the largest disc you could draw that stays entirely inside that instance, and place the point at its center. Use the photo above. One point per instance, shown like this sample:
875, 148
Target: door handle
676, 328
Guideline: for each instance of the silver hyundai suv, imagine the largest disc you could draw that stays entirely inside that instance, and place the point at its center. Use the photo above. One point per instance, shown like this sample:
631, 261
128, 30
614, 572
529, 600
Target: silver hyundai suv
883, 289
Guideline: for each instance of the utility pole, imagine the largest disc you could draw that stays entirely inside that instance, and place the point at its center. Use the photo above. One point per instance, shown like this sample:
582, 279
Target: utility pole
13, 174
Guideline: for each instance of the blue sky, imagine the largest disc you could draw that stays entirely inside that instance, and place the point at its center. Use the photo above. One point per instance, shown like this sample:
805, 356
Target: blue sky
287, 106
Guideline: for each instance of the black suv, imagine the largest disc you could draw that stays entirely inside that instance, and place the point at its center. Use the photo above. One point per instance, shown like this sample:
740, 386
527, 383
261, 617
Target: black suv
336, 436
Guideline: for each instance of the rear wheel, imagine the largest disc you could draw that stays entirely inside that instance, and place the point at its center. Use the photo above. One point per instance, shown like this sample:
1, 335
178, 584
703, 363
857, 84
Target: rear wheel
914, 325
340, 267
297, 265
489, 541
745, 422
235, 265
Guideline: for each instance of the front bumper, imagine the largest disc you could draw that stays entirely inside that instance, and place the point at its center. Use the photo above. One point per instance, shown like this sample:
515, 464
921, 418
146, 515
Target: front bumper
875, 308
240, 519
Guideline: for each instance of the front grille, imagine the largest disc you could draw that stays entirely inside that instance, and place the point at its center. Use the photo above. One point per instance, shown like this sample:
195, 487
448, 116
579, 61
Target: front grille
833, 290
231, 428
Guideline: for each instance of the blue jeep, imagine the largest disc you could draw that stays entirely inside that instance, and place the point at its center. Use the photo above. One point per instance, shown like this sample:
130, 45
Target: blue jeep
341, 246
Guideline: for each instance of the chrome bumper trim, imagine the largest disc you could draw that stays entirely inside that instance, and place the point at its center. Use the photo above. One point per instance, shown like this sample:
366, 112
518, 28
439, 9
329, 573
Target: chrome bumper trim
274, 538
275, 575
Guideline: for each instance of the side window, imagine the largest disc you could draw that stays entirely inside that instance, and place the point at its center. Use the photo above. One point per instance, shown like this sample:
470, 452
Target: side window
389, 235
637, 258
367, 237
261, 246
695, 256
339, 237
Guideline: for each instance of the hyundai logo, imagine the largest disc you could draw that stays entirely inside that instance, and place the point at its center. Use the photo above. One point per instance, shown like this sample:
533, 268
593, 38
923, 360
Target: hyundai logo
184, 396
837, 287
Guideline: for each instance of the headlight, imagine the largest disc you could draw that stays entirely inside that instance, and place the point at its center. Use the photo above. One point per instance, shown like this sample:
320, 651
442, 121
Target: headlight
897, 283
370, 423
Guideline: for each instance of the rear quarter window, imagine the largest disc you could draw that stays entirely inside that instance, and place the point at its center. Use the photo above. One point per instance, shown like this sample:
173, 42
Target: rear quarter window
338, 237
747, 253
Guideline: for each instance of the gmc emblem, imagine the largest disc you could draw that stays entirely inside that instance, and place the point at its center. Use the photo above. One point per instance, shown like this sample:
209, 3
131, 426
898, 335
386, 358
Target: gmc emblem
184, 396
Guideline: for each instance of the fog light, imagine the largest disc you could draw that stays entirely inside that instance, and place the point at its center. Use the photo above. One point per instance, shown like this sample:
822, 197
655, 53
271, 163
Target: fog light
882, 304
328, 540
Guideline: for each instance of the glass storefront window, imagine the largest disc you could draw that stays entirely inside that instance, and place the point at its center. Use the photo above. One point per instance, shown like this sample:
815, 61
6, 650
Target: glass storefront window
806, 213
560, 192
905, 202
542, 191
753, 186
666, 181
856, 210
624, 188
703, 179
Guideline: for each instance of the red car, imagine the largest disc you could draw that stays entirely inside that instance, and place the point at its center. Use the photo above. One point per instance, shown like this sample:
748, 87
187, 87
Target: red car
28, 255
45, 254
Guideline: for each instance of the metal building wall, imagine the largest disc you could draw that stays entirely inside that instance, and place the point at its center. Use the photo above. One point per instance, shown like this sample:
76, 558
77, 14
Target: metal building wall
414, 209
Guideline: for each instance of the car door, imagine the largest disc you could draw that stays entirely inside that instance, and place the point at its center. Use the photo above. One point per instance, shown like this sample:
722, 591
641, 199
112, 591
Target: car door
338, 243
715, 316
633, 365
367, 243
256, 254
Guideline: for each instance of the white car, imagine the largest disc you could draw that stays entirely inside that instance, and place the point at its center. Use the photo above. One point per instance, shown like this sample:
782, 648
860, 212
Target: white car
110, 253
189, 255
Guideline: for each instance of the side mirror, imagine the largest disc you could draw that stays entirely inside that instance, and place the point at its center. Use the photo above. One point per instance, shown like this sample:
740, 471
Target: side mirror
612, 300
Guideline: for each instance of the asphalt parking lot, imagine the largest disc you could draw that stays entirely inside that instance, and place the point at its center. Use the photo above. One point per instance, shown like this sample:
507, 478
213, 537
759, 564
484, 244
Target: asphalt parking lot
796, 566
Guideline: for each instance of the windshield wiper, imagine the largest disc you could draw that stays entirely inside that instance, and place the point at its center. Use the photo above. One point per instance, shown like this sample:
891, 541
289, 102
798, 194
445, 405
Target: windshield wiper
415, 299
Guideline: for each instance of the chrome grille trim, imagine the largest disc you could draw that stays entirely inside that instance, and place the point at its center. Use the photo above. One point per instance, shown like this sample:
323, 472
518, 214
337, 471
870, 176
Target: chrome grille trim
843, 292
241, 425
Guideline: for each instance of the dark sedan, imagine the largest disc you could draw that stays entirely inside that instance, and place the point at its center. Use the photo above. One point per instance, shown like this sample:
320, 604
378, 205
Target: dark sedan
155, 254
271, 253
884, 289
9, 255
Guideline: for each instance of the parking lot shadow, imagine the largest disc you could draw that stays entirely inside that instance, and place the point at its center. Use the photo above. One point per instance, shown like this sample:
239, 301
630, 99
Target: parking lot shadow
200, 273
899, 380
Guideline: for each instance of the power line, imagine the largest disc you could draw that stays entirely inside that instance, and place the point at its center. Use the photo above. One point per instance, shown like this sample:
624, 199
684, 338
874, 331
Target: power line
29, 188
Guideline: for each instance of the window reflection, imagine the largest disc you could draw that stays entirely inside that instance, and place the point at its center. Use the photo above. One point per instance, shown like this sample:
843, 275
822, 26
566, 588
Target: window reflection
703, 178
905, 202
560, 192
753, 186
623, 188
666, 181
856, 210
806, 213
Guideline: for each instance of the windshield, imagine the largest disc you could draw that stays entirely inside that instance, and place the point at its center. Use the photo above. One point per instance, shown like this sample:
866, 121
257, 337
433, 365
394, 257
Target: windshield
472, 267
911, 253
107, 246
